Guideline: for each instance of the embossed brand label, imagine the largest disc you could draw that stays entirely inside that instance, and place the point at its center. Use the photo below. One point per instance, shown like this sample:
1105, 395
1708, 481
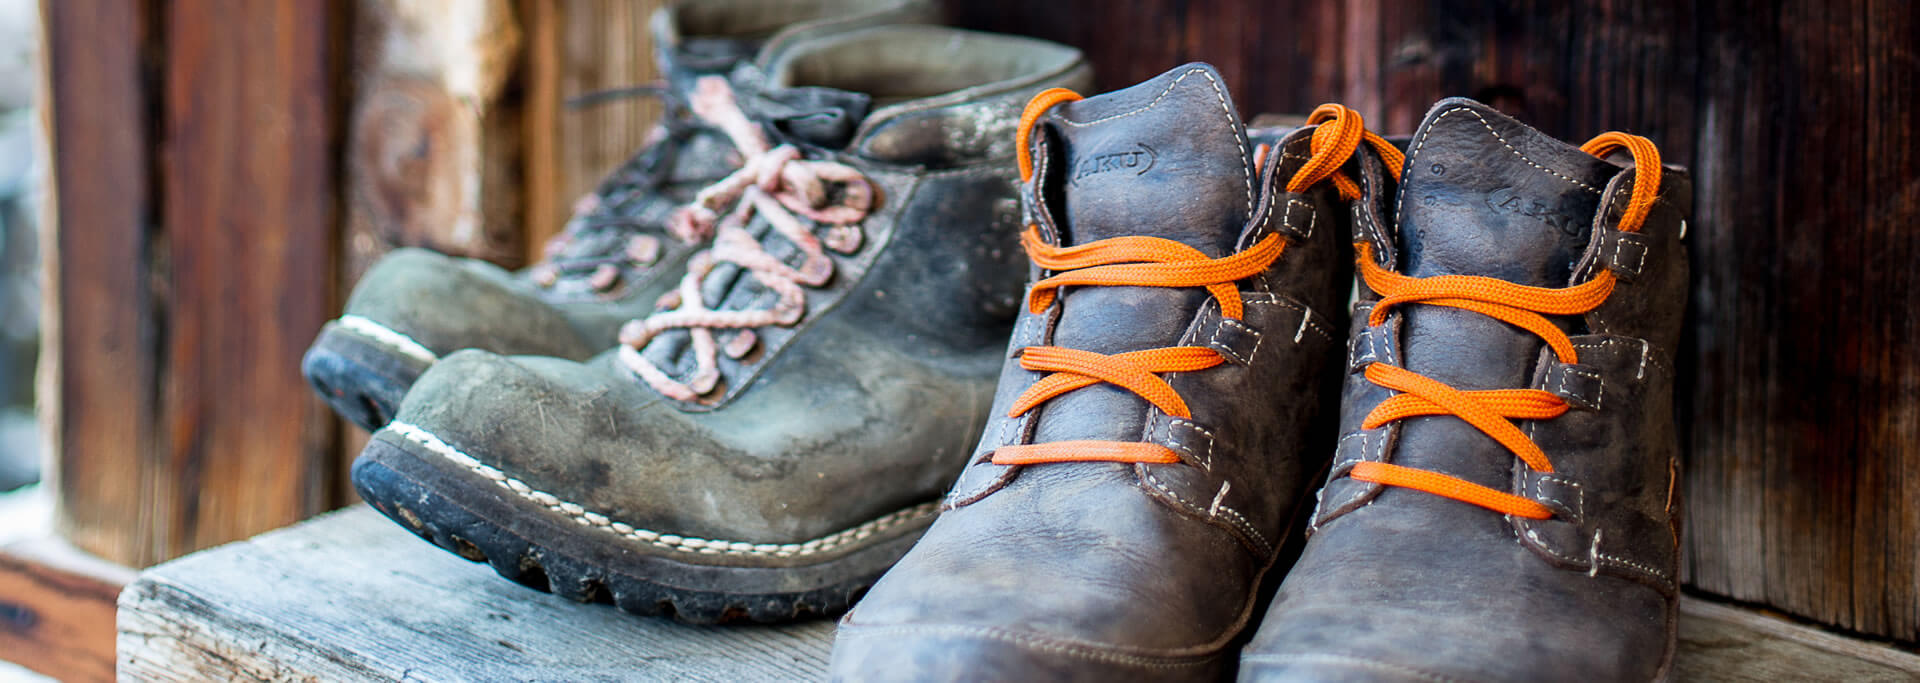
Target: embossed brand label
1135, 160
1508, 200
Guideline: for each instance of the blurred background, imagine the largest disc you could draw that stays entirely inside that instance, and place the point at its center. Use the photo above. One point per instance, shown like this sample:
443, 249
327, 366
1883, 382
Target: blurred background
188, 188
21, 176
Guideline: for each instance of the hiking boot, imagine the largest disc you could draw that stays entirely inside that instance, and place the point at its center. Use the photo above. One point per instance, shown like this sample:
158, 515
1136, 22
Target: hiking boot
772, 438
1502, 505
1148, 446
617, 254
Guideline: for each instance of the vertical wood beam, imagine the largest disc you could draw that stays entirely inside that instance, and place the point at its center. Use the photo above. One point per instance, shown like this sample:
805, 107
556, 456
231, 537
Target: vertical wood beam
248, 185
100, 330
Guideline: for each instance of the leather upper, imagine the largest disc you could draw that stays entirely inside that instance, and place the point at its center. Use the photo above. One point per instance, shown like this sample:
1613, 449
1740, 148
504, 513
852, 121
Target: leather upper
885, 378
1090, 570
1587, 594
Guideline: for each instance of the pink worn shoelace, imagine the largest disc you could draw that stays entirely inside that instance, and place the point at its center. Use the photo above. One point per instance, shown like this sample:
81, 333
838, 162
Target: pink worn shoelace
773, 183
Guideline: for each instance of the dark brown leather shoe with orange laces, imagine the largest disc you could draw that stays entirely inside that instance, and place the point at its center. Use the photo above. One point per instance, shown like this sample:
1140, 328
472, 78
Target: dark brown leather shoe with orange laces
773, 436
1502, 501
618, 253
1150, 438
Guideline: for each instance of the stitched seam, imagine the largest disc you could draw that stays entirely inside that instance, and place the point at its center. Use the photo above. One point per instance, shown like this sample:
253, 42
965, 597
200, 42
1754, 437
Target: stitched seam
1534, 535
1579, 491
706, 546
1237, 521
386, 336
1560, 387
1213, 340
1630, 563
1579, 506
1313, 217
1646, 352
1206, 461
1043, 644
1218, 93
1398, 201
1271, 300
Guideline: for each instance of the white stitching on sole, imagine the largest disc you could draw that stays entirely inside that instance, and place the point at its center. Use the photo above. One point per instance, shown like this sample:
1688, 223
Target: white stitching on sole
689, 544
386, 336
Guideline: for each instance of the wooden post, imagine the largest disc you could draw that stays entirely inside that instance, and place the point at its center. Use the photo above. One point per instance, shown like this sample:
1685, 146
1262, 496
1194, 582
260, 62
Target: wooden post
191, 263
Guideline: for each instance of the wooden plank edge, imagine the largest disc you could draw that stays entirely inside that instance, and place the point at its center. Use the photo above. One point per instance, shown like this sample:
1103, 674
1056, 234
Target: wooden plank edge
1778, 627
57, 607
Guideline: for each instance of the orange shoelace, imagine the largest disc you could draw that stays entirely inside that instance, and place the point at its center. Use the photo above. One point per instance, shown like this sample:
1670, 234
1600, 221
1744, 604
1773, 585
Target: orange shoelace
1492, 412
1140, 261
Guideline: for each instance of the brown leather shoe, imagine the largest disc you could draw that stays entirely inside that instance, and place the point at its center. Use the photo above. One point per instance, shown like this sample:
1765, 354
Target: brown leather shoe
1145, 453
1502, 501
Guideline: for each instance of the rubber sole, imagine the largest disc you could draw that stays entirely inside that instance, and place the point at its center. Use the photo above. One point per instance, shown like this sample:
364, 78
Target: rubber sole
476, 518
362, 379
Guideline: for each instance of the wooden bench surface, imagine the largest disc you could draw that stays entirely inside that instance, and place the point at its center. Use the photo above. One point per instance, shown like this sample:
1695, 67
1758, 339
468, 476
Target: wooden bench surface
351, 596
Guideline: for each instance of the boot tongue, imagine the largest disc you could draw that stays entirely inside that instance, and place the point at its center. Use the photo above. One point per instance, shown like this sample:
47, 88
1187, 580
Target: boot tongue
1487, 195
1166, 158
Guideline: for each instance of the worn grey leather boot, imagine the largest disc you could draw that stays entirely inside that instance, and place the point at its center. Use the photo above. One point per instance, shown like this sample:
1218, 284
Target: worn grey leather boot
1150, 439
617, 254
779, 431
1503, 502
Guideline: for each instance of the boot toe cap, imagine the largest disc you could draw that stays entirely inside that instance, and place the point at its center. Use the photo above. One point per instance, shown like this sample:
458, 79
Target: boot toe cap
446, 304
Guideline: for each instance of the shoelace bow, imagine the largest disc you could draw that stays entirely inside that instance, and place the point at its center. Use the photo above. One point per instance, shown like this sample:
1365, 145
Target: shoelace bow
1493, 411
602, 268
1140, 261
773, 183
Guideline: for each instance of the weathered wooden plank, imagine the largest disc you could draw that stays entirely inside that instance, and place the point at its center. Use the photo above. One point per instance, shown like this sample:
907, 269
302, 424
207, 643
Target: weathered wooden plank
99, 328
57, 609
1806, 398
56, 601
351, 596
574, 48
248, 205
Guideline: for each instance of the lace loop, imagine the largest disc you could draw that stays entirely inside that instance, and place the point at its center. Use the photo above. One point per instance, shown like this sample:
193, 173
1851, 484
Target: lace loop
773, 183
1492, 412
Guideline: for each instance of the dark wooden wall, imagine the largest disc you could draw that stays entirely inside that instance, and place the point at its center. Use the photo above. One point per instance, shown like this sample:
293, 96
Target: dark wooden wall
1799, 120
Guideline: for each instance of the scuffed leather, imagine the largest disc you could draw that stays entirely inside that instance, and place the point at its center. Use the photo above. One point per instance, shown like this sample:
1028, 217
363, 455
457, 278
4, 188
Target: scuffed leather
866, 407
1399, 584
1112, 571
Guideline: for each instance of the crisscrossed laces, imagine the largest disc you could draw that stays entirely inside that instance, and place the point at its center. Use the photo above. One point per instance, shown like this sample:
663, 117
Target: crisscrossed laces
775, 184
1141, 261
1492, 412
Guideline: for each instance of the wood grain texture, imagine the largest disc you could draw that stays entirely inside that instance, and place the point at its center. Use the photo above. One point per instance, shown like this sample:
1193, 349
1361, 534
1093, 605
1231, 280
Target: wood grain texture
196, 169
352, 596
57, 609
577, 47
1800, 379
417, 613
248, 209
99, 328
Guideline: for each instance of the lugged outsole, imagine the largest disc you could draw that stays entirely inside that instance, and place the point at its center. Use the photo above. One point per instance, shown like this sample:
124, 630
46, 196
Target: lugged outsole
453, 513
362, 380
